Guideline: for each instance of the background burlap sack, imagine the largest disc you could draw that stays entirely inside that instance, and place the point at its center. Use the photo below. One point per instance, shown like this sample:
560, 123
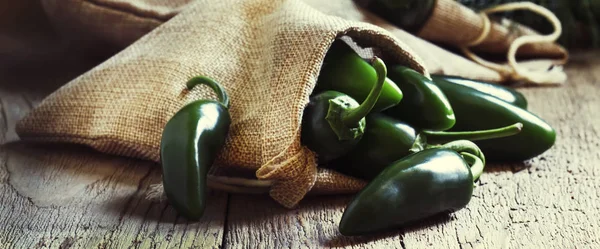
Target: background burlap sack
477, 36
453, 24
266, 53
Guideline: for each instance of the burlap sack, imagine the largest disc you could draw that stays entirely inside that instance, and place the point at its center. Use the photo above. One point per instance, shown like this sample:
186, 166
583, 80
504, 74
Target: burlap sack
455, 25
266, 53
452, 23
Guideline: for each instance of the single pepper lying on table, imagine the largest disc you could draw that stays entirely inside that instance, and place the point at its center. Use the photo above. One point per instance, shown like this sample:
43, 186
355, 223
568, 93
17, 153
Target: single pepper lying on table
418, 186
190, 143
430, 181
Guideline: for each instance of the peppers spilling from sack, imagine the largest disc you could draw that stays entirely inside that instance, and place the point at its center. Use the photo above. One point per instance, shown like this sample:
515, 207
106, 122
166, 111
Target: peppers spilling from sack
420, 143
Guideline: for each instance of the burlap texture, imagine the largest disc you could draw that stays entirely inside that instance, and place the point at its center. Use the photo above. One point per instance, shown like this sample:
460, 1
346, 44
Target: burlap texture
266, 53
453, 24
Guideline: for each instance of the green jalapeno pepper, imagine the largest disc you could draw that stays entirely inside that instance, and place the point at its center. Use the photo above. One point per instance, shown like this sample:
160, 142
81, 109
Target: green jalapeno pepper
507, 94
345, 71
333, 122
424, 105
387, 139
190, 142
417, 186
476, 110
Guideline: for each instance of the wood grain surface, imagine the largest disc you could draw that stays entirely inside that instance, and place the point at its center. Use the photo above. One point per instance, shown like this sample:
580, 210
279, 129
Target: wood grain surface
68, 196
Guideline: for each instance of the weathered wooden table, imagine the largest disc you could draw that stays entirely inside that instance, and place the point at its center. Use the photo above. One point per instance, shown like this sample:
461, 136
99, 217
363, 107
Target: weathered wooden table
67, 196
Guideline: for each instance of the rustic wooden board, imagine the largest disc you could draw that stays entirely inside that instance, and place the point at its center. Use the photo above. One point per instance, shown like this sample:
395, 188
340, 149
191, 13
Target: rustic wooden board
66, 196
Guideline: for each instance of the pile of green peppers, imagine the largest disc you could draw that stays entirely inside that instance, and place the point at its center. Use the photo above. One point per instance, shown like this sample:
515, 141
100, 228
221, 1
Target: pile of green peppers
421, 143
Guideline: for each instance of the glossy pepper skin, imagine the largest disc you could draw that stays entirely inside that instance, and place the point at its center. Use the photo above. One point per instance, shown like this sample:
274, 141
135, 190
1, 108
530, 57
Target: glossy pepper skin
190, 143
476, 110
420, 185
387, 139
424, 105
345, 71
507, 94
333, 122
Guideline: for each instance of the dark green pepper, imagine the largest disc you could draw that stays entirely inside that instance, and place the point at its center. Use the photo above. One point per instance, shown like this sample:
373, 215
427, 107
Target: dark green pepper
417, 186
476, 110
333, 122
345, 71
507, 94
387, 139
190, 143
424, 105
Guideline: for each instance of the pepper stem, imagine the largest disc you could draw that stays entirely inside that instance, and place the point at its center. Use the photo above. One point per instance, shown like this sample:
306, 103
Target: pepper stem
444, 136
352, 117
218, 88
475, 163
462, 146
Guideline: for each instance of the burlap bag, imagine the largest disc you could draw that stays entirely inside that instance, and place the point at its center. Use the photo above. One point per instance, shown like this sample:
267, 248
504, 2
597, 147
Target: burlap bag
455, 25
266, 53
